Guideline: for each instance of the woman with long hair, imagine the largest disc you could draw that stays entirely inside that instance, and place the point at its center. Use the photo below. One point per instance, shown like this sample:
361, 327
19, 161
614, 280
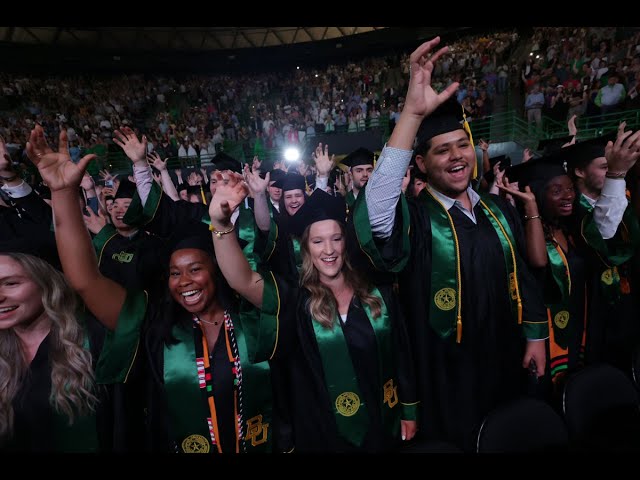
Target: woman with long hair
341, 341
48, 394
187, 349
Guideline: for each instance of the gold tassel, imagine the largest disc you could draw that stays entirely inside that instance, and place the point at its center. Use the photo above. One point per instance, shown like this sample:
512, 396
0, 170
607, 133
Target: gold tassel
204, 199
459, 329
467, 128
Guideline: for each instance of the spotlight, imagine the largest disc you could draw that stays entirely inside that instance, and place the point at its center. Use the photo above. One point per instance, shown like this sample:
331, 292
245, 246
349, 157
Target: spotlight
292, 154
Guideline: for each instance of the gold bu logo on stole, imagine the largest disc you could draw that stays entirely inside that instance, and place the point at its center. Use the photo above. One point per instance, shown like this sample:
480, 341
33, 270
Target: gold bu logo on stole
256, 431
561, 319
445, 298
390, 393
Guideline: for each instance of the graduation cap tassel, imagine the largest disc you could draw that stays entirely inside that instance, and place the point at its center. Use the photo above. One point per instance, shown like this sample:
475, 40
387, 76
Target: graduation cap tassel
467, 128
204, 199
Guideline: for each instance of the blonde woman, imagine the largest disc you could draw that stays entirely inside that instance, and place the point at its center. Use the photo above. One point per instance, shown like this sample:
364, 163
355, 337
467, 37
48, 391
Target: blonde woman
341, 341
49, 401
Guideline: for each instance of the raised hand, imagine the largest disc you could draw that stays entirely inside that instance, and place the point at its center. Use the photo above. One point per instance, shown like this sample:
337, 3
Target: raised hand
56, 168
194, 179
94, 222
256, 184
256, 164
623, 153
154, 159
324, 164
230, 192
421, 98
526, 155
527, 197
6, 169
87, 182
571, 124
135, 149
484, 146
106, 175
340, 186
406, 179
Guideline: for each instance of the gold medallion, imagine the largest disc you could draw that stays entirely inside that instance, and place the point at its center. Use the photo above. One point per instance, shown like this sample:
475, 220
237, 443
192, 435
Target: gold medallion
195, 444
607, 277
347, 404
445, 299
561, 319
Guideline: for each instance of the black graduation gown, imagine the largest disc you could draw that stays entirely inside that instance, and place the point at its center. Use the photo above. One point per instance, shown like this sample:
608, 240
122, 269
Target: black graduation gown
136, 262
35, 417
313, 423
460, 383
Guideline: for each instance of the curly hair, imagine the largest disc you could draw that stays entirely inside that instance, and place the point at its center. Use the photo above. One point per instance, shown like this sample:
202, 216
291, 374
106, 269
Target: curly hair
322, 304
72, 378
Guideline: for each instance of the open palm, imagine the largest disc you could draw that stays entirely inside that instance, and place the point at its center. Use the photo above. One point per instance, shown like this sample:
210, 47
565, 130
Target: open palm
56, 168
230, 192
135, 149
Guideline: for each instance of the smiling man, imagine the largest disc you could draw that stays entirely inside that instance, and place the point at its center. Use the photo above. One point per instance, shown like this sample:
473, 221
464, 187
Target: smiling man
471, 304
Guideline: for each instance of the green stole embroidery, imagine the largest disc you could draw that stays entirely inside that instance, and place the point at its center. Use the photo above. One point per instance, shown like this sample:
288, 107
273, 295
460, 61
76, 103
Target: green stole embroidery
82, 435
188, 411
342, 383
445, 314
559, 312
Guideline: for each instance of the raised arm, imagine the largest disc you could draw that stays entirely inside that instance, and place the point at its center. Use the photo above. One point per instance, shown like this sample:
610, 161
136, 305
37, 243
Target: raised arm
258, 188
136, 150
324, 164
167, 184
385, 185
102, 296
231, 261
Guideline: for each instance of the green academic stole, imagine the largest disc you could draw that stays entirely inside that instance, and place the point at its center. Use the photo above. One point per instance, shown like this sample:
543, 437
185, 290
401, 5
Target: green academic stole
81, 436
350, 199
342, 383
561, 325
613, 252
445, 314
192, 423
247, 232
297, 255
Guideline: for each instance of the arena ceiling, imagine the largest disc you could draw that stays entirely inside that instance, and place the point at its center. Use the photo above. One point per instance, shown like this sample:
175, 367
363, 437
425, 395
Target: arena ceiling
173, 38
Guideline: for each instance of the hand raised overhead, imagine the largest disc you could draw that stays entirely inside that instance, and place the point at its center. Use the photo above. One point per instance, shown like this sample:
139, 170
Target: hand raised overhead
56, 168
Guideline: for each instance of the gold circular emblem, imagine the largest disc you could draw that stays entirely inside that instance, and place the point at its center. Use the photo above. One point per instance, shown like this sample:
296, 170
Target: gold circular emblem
445, 298
347, 404
561, 319
195, 444
607, 277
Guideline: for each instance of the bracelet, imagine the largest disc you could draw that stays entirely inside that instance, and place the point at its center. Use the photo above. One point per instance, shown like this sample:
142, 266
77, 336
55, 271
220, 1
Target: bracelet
615, 174
532, 217
219, 233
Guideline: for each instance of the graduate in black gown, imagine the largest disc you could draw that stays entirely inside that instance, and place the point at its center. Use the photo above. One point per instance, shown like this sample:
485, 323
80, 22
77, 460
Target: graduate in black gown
614, 328
187, 348
360, 163
473, 313
50, 401
130, 256
342, 341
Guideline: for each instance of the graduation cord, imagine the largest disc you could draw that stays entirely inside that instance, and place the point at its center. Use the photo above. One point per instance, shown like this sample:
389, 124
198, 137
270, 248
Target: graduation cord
513, 259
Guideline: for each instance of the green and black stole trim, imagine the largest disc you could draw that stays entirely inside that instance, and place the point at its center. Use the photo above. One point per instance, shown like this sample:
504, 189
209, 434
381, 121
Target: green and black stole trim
103, 237
362, 226
137, 215
81, 436
348, 407
187, 377
613, 252
445, 313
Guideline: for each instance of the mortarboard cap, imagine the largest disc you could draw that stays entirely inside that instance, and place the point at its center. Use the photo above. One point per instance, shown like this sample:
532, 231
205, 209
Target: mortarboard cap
550, 145
126, 189
222, 161
361, 156
446, 118
194, 190
42, 245
192, 235
503, 160
182, 186
291, 181
583, 153
537, 171
274, 175
319, 206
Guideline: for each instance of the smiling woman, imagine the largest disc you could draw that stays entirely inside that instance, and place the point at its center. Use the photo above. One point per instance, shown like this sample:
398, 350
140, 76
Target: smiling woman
48, 398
